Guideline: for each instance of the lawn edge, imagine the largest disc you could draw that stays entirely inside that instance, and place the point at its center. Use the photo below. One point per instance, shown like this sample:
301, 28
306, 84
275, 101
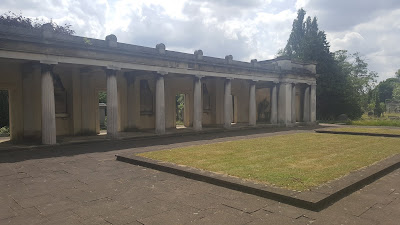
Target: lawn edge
315, 199
356, 133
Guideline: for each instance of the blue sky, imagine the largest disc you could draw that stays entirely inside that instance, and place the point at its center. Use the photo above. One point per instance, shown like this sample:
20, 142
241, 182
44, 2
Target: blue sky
246, 29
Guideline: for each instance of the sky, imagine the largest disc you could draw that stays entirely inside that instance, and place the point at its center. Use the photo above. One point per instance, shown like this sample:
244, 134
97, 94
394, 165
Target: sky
246, 29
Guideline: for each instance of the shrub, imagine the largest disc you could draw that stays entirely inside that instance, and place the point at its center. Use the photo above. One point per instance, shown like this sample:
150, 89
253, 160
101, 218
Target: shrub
17, 20
5, 130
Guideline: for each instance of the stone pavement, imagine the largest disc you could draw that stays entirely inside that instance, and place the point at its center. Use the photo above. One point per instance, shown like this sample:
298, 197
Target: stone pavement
84, 184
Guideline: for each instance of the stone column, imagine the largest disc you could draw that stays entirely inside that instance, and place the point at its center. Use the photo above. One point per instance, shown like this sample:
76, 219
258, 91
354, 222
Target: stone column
160, 104
252, 104
313, 103
48, 106
285, 103
197, 104
274, 104
294, 103
306, 107
112, 103
227, 104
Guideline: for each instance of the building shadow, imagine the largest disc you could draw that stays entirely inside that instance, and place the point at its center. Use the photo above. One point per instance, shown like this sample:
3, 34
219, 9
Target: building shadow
18, 155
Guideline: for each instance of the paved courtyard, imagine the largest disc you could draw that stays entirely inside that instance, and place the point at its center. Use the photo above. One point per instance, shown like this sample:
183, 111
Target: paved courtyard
84, 184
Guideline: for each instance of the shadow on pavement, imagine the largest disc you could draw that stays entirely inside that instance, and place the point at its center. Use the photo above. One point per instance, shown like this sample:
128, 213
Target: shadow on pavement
106, 146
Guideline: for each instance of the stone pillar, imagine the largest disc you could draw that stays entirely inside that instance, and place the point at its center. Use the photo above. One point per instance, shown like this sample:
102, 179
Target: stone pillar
160, 104
313, 103
227, 104
197, 104
48, 107
274, 104
112, 103
285, 103
306, 107
252, 104
294, 103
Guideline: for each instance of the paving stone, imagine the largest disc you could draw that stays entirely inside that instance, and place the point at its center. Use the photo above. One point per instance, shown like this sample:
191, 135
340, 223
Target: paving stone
92, 188
37, 200
6, 212
56, 207
98, 208
149, 207
380, 215
248, 203
65, 220
26, 216
178, 215
335, 219
199, 201
8, 202
290, 211
224, 215
353, 205
95, 221
123, 216
5, 171
266, 217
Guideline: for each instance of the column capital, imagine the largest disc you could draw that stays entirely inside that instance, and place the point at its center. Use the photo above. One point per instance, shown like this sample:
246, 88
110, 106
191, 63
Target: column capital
199, 76
48, 62
113, 67
110, 72
229, 78
47, 67
252, 81
311, 83
162, 73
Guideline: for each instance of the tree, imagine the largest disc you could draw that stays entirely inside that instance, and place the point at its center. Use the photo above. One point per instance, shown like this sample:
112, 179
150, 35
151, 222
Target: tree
102, 97
396, 92
398, 74
343, 80
17, 20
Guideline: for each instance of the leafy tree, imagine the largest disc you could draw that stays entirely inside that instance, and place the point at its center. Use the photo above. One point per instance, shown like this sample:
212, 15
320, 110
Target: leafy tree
102, 97
343, 80
17, 20
398, 74
396, 92
384, 90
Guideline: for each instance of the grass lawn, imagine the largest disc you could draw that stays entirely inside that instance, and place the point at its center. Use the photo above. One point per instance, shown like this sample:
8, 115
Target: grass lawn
367, 130
375, 121
295, 161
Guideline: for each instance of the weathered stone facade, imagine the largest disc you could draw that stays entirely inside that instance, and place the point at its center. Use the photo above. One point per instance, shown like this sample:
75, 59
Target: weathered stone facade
141, 85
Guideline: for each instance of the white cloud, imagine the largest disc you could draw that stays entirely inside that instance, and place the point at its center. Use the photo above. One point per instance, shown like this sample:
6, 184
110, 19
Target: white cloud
246, 29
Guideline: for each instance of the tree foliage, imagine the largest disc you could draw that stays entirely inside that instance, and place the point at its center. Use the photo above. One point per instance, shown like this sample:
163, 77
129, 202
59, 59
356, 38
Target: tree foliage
343, 79
102, 97
17, 20
398, 74
388, 89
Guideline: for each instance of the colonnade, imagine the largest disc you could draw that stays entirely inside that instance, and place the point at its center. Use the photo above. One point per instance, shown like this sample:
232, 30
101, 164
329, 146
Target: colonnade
283, 104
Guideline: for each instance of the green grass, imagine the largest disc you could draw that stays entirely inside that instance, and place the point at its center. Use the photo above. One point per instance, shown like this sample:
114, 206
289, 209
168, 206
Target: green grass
368, 130
296, 161
375, 121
